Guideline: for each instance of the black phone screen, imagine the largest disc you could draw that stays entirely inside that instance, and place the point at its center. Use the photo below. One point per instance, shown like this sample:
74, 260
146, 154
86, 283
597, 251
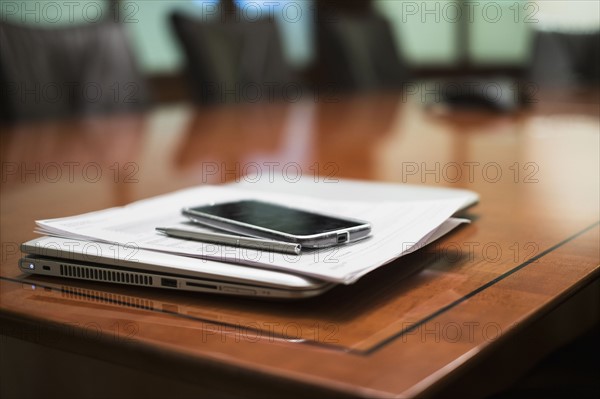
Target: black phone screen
278, 218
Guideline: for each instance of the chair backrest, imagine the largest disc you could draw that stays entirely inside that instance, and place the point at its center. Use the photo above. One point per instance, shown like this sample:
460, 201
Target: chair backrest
565, 59
227, 60
359, 53
61, 72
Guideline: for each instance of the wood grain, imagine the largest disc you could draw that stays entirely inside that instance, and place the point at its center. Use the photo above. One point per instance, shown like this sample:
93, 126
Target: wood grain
408, 329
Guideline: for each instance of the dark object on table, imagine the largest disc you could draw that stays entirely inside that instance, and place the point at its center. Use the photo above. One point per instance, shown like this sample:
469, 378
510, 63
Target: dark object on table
492, 94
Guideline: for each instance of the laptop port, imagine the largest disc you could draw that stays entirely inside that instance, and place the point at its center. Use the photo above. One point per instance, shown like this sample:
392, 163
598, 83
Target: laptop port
190, 284
168, 282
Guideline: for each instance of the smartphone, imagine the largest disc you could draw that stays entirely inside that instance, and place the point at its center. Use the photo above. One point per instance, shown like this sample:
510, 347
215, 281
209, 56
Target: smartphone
281, 223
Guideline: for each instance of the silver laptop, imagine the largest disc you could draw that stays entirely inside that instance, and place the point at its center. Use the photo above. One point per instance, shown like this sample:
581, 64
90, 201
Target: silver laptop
84, 260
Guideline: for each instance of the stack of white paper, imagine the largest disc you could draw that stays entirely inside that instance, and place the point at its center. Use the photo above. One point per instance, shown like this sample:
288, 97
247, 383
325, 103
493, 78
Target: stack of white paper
397, 229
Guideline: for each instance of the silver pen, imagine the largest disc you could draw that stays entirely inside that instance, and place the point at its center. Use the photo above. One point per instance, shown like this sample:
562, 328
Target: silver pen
236, 241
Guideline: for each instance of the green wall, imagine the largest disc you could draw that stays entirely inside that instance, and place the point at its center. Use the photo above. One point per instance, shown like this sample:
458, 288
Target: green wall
428, 32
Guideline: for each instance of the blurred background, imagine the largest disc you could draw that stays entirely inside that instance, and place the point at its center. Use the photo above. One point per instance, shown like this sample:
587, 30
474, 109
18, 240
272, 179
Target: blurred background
208, 51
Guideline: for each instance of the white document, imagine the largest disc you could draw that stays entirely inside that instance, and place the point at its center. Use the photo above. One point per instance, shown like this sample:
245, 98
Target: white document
398, 228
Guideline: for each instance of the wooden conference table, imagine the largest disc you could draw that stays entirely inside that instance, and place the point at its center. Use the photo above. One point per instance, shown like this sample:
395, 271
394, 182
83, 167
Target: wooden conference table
465, 316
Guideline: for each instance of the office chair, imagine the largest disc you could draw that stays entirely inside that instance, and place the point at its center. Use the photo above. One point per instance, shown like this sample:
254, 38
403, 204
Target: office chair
233, 61
62, 72
359, 53
565, 59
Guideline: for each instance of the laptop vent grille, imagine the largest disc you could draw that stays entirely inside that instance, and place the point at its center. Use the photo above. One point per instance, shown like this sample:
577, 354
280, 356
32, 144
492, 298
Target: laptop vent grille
106, 297
99, 274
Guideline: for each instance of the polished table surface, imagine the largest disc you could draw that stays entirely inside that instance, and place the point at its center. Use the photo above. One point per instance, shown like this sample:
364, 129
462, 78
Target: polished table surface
481, 305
